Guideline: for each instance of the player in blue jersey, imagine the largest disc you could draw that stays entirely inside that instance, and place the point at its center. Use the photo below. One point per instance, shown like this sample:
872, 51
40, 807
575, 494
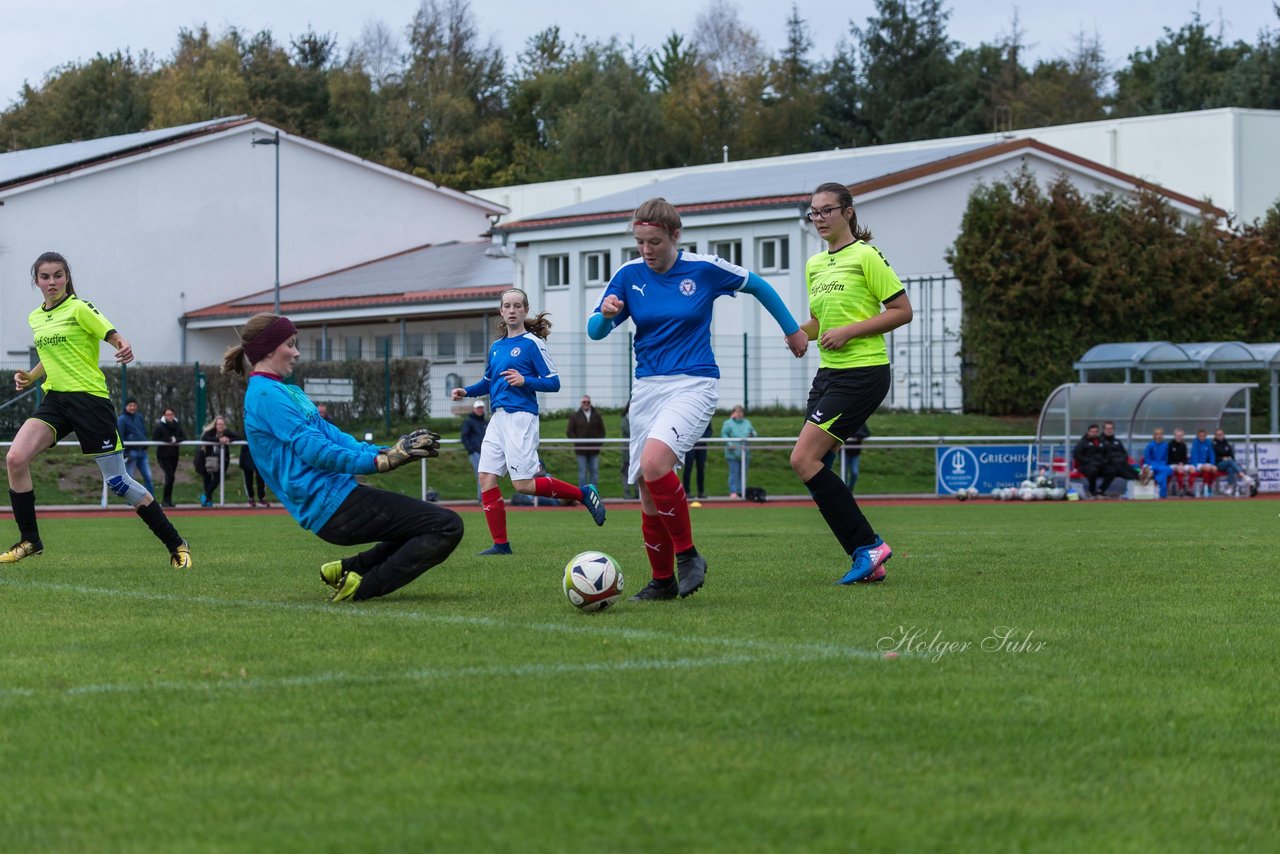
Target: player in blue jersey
519, 367
311, 465
668, 293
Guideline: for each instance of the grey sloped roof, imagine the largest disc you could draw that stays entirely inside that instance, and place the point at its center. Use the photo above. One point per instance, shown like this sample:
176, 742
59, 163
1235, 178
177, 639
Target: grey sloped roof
1164, 355
424, 274
765, 181
17, 166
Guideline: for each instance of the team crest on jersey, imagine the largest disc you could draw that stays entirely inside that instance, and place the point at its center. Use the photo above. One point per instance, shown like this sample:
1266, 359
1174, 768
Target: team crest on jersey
687, 287
515, 351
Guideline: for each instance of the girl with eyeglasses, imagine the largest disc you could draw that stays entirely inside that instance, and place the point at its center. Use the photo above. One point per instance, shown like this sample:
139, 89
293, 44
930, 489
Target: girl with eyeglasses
669, 293
848, 283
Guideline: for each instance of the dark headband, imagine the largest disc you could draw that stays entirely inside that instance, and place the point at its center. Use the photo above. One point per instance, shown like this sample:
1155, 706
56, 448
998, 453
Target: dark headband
266, 341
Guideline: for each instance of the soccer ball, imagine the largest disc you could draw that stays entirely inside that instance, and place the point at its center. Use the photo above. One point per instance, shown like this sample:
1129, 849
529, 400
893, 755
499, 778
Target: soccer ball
592, 581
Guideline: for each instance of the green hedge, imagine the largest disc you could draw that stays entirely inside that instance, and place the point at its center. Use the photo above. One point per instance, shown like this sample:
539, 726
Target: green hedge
1048, 273
160, 386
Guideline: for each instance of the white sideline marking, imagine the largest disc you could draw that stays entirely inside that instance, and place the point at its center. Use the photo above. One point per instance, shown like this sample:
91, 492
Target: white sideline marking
358, 612
417, 675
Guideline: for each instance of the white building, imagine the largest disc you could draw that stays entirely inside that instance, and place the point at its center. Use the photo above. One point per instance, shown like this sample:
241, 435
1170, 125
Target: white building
1225, 156
159, 223
912, 198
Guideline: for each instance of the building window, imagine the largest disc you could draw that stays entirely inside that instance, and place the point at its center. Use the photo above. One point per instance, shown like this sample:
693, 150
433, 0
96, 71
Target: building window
595, 268
691, 246
447, 344
729, 250
773, 254
383, 346
318, 350
351, 346
630, 253
477, 347
555, 271
414, 345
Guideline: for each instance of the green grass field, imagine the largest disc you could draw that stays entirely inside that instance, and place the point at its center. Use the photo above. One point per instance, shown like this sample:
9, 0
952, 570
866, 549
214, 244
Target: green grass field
1133, 706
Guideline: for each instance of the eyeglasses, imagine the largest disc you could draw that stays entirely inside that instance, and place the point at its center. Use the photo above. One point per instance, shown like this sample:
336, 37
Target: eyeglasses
811, 215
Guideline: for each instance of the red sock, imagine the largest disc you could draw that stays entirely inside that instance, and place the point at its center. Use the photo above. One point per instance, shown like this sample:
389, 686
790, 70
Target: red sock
495, 513
549, 487
657, 545
673, 509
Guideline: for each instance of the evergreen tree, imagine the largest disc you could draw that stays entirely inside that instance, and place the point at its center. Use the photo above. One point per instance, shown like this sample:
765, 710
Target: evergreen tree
454, 87
106, 96
1185, 70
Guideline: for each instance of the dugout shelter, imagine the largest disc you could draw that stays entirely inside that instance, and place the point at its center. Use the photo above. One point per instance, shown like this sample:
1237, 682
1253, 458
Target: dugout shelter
1208, 356
1137, 409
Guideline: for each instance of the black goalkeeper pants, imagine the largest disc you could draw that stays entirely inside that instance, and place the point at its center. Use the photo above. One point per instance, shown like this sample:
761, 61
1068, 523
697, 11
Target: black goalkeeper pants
411, 536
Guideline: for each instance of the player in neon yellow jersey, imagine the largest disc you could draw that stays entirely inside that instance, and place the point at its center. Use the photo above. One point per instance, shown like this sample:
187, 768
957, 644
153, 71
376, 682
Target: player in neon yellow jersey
848, 283
68, 332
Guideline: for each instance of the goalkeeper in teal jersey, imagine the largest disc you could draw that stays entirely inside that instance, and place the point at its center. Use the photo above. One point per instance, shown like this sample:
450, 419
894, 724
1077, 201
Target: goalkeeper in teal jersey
68, 336
311, 465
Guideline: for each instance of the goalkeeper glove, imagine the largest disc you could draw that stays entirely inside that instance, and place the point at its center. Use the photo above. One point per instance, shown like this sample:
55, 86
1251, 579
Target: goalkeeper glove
417, 445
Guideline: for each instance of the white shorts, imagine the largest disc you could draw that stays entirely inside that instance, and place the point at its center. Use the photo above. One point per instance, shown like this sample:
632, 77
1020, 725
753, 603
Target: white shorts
673, 410
510, 445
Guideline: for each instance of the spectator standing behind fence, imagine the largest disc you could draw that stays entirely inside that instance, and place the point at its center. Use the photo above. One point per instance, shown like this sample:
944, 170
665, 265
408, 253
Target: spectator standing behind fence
1117, 458
169, 431
473, 427
1155, 462
1203, 461
253, 482
586, 423
853, 456
212, 456
133, 428
628, 488
1225, 454
696, 458
1090, 458
737, 453
323, 412
1180, 462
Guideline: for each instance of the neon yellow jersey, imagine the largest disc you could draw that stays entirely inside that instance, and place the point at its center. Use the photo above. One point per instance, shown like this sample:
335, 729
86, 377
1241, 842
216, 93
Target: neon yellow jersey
68, 338
847, 286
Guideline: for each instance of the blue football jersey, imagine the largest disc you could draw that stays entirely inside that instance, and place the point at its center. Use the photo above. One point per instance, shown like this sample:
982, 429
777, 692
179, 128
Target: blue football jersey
528, 355
672, 312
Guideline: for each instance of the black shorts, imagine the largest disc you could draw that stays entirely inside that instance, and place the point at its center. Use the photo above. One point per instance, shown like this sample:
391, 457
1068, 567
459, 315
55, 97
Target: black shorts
90, 417
842, 399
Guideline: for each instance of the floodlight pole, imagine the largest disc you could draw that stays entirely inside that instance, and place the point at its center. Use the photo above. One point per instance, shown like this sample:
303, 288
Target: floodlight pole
275, 140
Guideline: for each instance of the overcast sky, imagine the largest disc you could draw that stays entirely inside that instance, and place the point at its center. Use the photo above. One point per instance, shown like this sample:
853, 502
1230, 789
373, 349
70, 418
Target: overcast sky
38, 35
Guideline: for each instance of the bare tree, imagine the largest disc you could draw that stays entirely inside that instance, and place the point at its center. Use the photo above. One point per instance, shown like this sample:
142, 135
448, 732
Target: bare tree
728, 46
378, 52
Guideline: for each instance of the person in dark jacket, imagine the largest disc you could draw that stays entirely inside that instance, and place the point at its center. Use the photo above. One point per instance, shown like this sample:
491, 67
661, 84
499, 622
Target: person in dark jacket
133, 428
1117, 458
169, 431
1090, 457
696, 458
1225, 454
473, 428
586, 423
1180, 462
252, 477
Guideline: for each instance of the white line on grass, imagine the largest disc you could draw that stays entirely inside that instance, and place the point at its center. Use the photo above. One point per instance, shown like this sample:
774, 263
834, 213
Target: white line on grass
353, 611
429, 674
